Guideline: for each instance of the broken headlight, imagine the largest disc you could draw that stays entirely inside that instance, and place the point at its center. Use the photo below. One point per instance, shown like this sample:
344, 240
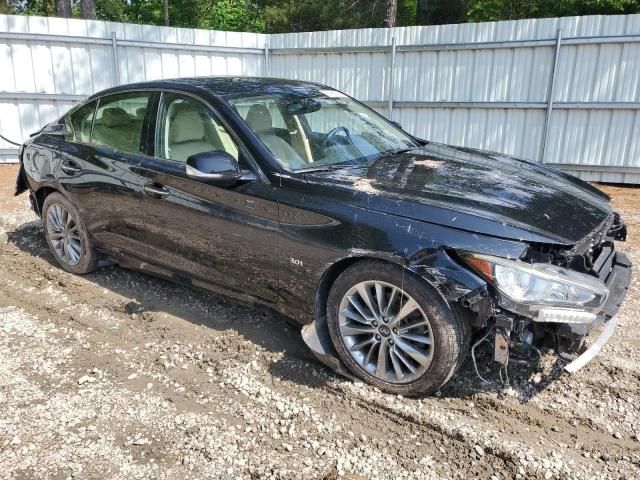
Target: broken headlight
544, 292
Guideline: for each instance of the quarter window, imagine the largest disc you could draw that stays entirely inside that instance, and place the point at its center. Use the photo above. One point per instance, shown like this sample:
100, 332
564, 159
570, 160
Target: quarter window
79, 123
187, 126
118, 122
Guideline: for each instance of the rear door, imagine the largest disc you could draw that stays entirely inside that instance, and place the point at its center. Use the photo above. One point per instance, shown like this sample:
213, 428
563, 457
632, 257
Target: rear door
106, 142
215, 237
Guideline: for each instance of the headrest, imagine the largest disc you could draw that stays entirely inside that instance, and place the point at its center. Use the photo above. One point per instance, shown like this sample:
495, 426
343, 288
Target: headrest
186, 126
140, 113
115, 117
259, 118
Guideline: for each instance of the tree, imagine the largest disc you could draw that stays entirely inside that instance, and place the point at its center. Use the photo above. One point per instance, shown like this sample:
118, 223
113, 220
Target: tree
282, 16
234, 15
391, 13
63, 8
407, 10
88, 9
495, 10
114, 10
440, 12
308, 15
165, 8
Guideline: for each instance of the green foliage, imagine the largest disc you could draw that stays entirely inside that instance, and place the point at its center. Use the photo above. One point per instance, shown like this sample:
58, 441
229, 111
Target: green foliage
311, 15
406, 13
44, 8
232, 15
113, 10
495, 10
275, 16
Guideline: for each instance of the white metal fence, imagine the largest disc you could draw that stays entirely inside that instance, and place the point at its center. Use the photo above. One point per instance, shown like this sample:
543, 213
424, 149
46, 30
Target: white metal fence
564, 91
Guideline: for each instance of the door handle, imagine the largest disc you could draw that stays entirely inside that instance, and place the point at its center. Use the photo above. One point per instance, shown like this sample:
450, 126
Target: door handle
69, 167
156, 190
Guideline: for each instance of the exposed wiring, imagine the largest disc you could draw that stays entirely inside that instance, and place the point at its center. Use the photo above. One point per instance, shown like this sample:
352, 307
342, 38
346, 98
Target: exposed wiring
473, 354
9, 141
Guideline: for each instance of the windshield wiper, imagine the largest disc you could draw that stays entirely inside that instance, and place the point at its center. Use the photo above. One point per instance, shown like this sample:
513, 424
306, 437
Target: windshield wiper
397, 151
326, 168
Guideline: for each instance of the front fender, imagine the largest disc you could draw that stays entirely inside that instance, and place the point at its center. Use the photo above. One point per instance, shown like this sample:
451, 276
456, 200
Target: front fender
451, 279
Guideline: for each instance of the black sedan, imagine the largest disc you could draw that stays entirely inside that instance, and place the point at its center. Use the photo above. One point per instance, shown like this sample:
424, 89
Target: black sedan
399, 256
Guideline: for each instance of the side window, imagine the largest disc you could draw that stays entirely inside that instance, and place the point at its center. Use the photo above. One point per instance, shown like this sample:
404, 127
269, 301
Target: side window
281, 132
186, 127
266, 107
119, 119
79, 123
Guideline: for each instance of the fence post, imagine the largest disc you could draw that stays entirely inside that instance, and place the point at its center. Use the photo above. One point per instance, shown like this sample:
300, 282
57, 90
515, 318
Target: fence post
390, 84
550, 93
116, 63
267, 69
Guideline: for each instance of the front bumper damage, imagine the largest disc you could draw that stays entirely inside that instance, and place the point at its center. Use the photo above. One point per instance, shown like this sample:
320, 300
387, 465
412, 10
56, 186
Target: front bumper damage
617, 280
508, 334
594, 349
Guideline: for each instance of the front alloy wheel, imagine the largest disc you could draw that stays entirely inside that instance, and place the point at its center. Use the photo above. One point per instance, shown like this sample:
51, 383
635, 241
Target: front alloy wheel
386, 331
392, 329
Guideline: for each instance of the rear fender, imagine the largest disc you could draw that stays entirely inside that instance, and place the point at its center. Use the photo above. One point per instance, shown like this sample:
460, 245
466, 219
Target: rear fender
21, 181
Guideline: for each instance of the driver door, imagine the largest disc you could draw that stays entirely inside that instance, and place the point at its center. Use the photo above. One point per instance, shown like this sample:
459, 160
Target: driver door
222, 238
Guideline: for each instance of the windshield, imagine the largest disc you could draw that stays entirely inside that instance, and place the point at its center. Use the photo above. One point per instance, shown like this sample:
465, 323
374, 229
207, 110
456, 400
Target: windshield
321, 130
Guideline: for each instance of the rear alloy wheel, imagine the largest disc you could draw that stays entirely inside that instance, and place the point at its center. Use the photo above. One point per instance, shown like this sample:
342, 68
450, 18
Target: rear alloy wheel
393, 330
66, 235
63, 233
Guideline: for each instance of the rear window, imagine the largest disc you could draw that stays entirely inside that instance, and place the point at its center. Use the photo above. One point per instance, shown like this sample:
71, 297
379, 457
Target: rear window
79, 123
118, 121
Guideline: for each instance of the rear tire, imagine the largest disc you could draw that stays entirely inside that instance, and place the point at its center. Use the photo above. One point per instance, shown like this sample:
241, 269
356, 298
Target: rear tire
394, 330
67, 236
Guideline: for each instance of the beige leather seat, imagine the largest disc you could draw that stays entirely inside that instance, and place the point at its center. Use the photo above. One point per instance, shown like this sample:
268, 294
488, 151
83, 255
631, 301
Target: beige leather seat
116, 129
260, 121
187, 135
140, 113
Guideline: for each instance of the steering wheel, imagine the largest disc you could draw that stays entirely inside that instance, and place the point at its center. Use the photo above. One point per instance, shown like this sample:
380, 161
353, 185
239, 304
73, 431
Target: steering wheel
333, 132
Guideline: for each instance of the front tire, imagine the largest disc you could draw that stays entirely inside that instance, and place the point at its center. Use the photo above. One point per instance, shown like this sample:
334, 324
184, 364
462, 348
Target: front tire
393, 330
66, 235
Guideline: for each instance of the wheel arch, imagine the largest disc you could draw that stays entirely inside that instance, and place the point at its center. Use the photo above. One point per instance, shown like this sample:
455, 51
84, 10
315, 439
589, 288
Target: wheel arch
330, 275
41, 195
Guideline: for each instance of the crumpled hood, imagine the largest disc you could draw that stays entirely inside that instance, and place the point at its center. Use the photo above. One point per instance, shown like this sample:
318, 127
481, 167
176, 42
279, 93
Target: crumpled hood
474, 190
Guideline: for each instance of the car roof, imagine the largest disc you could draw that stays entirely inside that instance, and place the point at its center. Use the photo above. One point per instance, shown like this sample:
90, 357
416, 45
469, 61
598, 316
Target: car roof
227, 87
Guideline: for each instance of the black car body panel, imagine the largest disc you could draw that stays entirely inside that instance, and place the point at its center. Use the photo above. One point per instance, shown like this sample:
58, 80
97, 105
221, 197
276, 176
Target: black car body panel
319, 230
281, 239
226, 237
473, 190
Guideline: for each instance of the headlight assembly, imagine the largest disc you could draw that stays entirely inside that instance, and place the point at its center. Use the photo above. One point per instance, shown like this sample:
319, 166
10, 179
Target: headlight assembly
543, 292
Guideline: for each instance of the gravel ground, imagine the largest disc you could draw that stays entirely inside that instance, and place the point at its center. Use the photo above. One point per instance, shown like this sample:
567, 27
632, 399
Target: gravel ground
120, 375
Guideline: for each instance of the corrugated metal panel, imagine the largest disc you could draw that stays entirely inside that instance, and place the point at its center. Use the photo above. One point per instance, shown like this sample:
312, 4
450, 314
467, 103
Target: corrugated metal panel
586, 73
476, 73
45, 66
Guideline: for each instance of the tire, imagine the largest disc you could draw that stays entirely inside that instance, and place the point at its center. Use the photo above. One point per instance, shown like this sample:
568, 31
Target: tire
422, 350
61, 220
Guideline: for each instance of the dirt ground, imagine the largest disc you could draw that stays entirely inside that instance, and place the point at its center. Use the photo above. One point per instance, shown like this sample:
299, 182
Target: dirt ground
120, 375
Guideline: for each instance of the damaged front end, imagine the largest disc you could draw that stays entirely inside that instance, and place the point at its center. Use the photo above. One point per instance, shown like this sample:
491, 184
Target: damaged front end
550, 297
556, 297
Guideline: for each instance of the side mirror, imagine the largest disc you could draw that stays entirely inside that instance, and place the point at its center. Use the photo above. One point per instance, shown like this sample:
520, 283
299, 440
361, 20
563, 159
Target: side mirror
216, 167
55, 129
